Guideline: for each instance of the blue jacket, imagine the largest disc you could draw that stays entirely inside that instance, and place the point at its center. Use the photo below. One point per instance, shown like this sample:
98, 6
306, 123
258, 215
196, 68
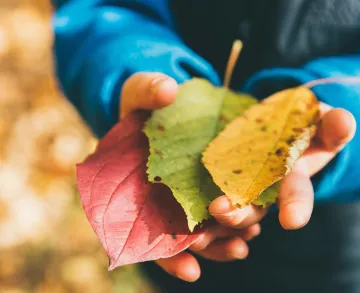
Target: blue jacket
100, 43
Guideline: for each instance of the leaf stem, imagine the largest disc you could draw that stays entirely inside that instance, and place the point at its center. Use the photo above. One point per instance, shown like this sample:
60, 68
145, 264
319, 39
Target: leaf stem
233, 58
333, 80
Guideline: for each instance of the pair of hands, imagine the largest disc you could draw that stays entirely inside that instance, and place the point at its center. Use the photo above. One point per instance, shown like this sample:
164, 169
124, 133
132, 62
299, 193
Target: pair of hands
232, 227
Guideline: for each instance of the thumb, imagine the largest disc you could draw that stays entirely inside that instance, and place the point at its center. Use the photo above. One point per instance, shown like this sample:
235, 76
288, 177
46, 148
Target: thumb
147, 91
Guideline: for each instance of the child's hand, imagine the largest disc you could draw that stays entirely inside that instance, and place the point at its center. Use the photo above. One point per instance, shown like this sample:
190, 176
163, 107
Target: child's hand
147, 91
151, 91
295, 202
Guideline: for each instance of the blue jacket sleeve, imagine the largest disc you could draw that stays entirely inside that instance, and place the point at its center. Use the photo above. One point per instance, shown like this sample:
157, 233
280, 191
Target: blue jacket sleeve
100, 43
340, 180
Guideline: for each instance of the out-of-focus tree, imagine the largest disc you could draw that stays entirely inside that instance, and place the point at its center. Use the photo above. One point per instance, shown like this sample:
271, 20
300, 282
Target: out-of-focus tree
46, 243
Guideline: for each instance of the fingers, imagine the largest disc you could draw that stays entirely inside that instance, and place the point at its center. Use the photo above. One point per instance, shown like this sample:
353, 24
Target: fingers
217, 231
147, 91
296, 198
183, 266
226, 250
224, 212
336, 129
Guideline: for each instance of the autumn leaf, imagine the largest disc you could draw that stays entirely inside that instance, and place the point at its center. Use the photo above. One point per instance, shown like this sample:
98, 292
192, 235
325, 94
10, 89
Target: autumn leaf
179, 133
135, 220
260, 147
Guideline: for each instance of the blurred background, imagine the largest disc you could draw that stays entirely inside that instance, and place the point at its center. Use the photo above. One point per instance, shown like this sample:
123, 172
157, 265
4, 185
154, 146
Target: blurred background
46, 243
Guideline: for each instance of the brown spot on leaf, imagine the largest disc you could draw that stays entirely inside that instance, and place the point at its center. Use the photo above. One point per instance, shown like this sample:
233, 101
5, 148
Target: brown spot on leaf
237, 171
259, 120
225, 182
275, 132
290, 140
310, 105
298, 130
264, 128
272, 169
296, 112
159, 153
161, 127
222, 118
279, 151
157, 179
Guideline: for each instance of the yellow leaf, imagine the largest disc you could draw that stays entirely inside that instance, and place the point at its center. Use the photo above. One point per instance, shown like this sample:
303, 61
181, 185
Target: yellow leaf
260, 147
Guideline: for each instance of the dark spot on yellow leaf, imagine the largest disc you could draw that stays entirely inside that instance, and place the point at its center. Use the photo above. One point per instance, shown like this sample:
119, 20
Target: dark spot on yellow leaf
312, 104
296, 112
161, 127
269, 153
259, 120
264, 128
290, 140
237, 171
157, 179
275, 132
279, 151
272, 169
225, 182
298, 130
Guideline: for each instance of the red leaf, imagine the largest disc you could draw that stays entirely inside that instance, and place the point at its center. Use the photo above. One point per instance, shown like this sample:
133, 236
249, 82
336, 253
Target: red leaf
135, 220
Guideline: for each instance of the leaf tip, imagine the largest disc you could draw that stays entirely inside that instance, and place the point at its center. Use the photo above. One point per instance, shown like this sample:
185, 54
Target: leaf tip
112, 265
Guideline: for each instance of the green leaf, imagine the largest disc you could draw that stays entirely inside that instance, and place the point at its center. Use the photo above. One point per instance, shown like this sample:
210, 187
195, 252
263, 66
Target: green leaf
234, 105
178, 134
268, 196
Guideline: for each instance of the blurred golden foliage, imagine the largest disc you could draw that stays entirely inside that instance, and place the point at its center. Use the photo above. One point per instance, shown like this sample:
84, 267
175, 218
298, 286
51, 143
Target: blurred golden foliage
46, 243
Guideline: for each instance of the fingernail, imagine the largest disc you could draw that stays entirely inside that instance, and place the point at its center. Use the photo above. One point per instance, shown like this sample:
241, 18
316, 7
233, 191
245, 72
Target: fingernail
240, 252
257, 231
190, 274
298, 219
351, 133
157, 83
221, 206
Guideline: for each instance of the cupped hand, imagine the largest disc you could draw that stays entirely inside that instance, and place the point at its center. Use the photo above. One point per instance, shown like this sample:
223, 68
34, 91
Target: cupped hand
226, 239
336, 128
